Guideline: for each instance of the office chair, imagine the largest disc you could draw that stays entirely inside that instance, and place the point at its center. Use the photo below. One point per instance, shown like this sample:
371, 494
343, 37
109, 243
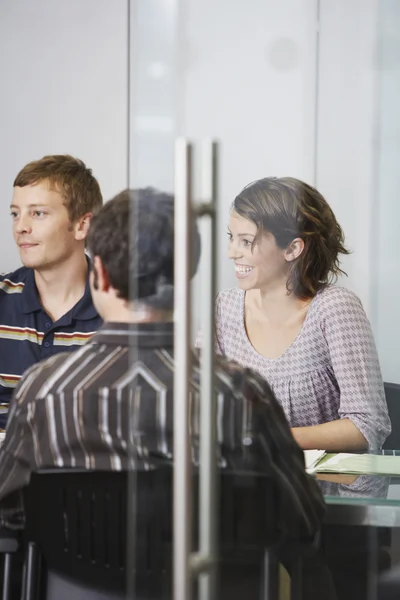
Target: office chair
392, 392
9, 545
78, 525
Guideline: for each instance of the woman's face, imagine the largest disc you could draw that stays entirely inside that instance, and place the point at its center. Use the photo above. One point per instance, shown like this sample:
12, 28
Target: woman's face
262, 266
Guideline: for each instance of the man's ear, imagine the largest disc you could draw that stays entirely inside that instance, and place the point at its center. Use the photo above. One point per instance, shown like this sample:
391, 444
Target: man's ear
294, 250
100, 275
81, 227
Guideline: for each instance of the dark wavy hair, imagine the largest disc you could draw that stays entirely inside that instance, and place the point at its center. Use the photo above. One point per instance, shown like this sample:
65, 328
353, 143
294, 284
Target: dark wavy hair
289, 208
133, 234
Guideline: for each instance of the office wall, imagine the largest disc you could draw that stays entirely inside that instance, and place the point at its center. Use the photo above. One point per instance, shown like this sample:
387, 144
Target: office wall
347, 152
358, 145
155, 95
254, 92
385, 240
63, 68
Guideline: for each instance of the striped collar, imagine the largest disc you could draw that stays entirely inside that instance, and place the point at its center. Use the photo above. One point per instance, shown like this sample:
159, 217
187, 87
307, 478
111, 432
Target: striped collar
151, 335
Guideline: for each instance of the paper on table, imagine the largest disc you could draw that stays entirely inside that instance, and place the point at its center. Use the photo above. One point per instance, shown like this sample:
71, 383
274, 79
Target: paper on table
359, 464
312, 458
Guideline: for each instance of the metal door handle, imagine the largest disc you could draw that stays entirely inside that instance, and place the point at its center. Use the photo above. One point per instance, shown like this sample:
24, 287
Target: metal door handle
203, 562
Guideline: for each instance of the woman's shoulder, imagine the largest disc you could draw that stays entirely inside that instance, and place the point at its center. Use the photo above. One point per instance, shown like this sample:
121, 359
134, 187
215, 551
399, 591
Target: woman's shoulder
337, 301
231, 297
335, 295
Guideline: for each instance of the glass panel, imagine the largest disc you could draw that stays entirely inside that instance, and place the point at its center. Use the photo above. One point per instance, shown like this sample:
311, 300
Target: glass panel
153, 92
152, 131
301, 89
64, 68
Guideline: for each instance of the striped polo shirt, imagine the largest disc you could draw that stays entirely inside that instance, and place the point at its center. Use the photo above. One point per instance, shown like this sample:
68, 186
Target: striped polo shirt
111, 404
28, 334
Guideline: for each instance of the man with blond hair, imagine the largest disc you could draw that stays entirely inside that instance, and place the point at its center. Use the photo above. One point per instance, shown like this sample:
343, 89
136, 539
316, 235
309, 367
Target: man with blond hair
46, 305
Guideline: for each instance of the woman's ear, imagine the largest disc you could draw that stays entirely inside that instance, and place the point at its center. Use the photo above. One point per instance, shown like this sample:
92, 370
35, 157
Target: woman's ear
294, 249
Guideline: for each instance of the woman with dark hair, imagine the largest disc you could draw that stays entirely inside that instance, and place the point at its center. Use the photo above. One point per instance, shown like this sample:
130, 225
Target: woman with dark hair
309, 338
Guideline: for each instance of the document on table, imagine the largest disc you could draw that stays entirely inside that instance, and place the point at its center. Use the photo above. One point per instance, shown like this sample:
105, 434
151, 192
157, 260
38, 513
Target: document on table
359, 464
312, 458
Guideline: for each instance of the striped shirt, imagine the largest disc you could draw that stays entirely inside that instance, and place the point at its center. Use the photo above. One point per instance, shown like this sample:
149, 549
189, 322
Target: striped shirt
27, 333
113, 397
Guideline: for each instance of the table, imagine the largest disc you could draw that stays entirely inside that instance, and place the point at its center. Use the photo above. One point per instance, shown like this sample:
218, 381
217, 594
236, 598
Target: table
369, 500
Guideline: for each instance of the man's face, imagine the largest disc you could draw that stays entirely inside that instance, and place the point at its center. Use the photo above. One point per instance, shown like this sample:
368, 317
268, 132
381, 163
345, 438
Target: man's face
42, 229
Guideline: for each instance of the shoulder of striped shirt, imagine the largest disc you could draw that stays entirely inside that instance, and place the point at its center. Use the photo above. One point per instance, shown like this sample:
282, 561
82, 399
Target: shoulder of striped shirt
61, 338
53, 362
63, 359
11, 287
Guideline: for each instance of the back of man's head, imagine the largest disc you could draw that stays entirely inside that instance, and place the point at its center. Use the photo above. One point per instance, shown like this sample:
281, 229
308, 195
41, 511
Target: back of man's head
133, 235
68, 176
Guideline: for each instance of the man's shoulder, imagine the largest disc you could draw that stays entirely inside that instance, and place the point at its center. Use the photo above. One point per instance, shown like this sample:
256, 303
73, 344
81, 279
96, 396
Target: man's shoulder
62, 360
39, 380
14, 282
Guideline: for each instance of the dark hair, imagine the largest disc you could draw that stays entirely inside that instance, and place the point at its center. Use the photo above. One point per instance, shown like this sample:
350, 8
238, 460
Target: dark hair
289, 208
133, 234
70, 177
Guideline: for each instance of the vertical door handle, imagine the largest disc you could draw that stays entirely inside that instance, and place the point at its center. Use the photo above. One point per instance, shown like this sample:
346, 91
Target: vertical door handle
208, 527
182, 488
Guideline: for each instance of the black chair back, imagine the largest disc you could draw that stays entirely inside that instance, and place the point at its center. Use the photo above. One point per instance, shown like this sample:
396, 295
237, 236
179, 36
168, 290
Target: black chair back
392, 392
79, 521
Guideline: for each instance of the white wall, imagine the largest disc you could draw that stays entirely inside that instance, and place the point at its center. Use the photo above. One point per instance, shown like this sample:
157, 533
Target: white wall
63, 69
346, 122
248, 80
154, 93
357, 153
386, 237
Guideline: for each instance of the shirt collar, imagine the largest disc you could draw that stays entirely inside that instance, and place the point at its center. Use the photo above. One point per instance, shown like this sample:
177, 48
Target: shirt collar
150, 335
83, 310
29, 296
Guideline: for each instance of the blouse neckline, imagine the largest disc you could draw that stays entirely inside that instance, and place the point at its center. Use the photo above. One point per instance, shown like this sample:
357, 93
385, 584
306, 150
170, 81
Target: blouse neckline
289, 348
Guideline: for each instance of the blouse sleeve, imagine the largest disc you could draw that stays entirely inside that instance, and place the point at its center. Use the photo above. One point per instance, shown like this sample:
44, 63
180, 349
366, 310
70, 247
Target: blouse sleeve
219, 345
355, 365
